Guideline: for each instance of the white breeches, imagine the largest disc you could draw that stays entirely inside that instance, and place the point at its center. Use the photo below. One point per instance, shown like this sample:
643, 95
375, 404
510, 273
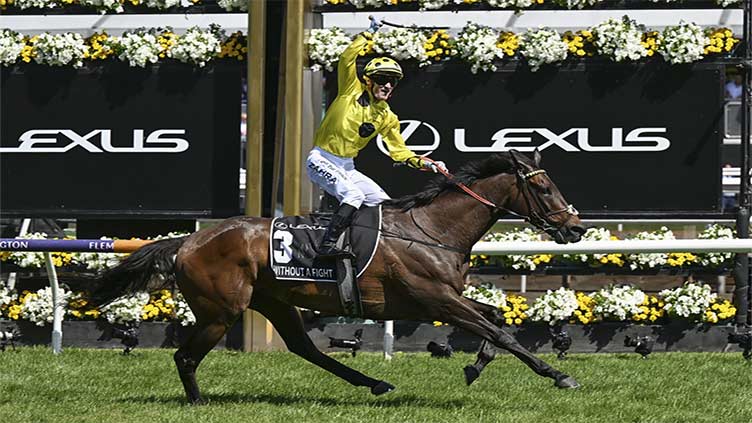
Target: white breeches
337, 176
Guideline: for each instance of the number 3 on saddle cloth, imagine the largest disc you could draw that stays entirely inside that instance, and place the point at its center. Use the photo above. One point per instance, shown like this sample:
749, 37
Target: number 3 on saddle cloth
292, 248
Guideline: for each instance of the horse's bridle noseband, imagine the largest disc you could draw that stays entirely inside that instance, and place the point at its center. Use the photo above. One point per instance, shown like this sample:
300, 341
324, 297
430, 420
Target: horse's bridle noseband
535, 218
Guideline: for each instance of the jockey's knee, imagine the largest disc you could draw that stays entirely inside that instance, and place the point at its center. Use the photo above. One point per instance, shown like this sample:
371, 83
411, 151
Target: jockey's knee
354, 199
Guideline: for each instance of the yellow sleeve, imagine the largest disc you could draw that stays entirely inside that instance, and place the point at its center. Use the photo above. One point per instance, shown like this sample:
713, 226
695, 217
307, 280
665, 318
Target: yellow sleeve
347, 73
398, 151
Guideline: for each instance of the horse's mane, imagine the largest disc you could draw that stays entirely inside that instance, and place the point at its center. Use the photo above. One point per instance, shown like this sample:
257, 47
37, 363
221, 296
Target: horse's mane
467, 174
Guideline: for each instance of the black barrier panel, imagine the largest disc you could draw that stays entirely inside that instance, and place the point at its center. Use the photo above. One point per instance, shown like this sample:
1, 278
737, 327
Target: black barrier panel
112, 140
617, 139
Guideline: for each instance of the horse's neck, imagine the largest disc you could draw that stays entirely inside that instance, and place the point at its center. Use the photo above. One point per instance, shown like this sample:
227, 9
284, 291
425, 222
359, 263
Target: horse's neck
460, 220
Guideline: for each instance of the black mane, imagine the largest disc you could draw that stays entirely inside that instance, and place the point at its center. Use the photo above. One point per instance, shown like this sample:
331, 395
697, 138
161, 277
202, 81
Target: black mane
467, 174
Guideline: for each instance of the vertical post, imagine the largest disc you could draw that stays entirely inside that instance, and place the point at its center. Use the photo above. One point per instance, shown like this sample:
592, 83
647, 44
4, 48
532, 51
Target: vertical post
293, 114
388, 339
523, 284
57, 306
258, 333
741, 262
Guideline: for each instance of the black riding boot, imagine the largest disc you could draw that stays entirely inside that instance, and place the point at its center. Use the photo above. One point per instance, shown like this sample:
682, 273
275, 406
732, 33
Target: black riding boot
340, 221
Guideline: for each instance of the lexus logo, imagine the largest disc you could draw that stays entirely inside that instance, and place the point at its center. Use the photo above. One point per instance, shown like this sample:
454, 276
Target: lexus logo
646, 139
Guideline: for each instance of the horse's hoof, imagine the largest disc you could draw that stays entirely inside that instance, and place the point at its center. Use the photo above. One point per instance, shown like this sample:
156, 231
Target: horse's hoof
566, 382
197, 401
382, 388
471, 373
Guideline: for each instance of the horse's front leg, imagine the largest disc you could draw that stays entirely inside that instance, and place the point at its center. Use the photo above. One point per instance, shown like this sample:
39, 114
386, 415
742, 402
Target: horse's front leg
286, 319
462, 313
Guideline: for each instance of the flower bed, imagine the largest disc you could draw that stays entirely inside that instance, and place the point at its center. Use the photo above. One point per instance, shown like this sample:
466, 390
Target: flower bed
483, 47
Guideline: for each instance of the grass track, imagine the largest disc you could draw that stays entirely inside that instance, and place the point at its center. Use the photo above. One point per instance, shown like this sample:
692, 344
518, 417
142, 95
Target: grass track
104, 386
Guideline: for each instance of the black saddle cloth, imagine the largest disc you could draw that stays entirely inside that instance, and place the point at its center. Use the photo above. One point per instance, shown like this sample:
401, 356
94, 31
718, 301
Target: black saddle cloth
293, 241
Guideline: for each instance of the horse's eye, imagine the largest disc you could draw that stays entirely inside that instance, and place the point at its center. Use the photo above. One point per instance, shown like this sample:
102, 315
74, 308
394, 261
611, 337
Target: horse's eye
546, 191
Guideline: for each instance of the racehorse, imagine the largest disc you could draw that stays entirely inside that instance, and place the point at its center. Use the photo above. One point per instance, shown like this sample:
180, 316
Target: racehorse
417, 273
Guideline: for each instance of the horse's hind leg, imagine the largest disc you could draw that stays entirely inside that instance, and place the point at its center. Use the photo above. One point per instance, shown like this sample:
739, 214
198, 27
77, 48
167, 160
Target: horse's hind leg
462, 313
214, 316
286, 319
189, 355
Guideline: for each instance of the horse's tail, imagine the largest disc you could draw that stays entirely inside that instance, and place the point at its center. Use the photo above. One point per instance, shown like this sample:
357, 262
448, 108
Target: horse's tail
150, 268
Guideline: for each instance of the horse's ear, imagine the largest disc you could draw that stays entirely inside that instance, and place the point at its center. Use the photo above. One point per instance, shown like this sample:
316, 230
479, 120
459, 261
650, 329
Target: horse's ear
513, 154
536, 157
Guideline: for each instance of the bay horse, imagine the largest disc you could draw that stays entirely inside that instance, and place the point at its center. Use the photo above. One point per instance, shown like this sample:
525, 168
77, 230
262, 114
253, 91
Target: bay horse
418, 272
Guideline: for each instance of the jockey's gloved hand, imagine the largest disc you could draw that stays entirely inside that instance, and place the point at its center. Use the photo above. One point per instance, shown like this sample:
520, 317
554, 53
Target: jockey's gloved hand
375, 25
434, 166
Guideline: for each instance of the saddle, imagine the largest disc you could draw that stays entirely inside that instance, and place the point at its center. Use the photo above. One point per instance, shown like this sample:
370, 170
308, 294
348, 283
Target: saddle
292, 248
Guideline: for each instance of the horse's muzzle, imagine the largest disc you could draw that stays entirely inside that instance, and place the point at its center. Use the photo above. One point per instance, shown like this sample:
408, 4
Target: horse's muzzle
567, 234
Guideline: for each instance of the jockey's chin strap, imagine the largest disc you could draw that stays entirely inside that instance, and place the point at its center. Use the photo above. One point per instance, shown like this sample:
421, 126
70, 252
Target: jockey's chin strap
535, 218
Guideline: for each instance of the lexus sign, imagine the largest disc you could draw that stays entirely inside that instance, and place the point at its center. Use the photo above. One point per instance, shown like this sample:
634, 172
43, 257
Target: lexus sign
619, 140
113, 141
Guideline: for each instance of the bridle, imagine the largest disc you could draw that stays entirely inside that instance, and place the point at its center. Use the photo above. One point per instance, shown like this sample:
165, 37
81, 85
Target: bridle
535, 218
523, 179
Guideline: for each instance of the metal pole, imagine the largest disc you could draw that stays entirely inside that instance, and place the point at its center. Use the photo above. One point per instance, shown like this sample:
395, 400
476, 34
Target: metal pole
57, 304
741, 264
388, 339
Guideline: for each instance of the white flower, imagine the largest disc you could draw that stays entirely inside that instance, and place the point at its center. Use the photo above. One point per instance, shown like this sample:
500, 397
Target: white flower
592, 234
517, 4
649, 260
486, 293
39, 308
436, 4
126, 309
724, 3
183, 312
60, 49
541, 46
579, 4
617, 302
690, 300
512, 260
104, 5
100, 261
715, 231
138, 48
683, 43
7, 295
325, 46
477, 45
42, 4
619, 39
229, 5
369, 3
162, 4
401, 44
197, 46
11, 46
554, 306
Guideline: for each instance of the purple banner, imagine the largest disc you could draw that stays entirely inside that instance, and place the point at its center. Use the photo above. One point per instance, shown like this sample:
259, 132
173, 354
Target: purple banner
71, 245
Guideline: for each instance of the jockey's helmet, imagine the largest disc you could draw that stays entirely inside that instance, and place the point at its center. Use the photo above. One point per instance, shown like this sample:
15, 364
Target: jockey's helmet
383, 66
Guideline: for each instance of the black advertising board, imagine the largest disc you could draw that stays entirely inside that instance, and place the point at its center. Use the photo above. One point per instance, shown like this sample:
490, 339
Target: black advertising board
117, 141
619, 140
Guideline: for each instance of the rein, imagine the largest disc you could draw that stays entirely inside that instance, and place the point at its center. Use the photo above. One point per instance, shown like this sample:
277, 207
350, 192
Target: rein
417, 241
461, 185
535, 218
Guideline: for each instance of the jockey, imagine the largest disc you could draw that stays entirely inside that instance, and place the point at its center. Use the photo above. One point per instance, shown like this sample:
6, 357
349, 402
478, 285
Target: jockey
358, 113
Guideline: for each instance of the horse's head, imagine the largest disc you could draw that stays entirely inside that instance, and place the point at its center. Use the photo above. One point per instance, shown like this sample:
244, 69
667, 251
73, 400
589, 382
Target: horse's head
539, 201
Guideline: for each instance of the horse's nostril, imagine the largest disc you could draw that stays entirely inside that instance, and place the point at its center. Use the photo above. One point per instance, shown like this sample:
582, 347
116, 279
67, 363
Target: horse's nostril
578, 229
